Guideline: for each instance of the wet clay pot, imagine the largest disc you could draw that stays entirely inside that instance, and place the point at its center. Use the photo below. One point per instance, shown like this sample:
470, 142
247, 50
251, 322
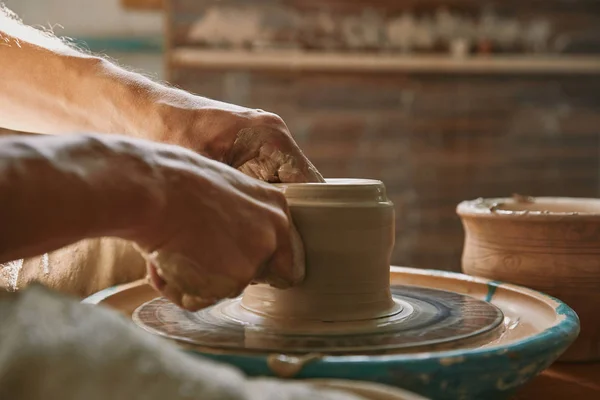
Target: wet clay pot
347, 226
548, 244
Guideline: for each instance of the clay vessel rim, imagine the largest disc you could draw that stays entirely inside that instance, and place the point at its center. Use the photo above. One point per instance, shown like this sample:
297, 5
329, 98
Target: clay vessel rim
340, 191
334, 182
492, 208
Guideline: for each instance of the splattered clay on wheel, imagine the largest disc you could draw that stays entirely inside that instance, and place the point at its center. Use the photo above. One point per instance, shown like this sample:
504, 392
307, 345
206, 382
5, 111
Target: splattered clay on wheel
423, 318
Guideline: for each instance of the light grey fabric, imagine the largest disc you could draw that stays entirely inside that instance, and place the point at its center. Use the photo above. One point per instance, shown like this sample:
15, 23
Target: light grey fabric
53, 347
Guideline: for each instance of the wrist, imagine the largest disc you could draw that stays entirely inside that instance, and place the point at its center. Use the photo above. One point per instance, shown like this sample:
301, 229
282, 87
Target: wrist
119, 189
125, 101
208, 127
134, 198
184, 119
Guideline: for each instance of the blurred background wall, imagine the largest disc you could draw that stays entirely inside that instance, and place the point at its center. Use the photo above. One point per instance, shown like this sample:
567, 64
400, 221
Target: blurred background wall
442, 100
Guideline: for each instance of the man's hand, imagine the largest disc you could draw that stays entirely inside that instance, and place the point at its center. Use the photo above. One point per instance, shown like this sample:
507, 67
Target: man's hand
256, 142
206, 230
217, 232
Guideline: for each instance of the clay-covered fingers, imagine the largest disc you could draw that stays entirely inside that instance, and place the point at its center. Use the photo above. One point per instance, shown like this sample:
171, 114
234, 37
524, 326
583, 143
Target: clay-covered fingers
275, 167
271, 155
186, 301
286, 267
174, 293
290, 173
186, 283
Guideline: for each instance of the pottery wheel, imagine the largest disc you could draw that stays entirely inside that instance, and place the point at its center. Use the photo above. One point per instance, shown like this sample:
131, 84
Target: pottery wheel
423, 318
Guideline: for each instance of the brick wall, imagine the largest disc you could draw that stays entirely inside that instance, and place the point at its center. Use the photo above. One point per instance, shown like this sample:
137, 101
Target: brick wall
433, 139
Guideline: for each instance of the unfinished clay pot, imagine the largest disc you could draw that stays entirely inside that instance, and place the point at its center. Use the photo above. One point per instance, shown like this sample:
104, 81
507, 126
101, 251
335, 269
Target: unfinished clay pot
548, 244
347, 226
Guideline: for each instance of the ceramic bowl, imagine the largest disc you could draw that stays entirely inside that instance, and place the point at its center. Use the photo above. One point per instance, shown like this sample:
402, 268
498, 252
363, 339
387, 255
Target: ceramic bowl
549, 244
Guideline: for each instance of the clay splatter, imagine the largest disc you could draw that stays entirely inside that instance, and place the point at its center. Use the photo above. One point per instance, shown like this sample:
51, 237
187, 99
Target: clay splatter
10, 273
46, 264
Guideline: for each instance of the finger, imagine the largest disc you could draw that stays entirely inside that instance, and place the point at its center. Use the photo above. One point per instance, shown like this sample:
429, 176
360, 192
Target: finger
264, 153
173, 294
192, 279
271, 169
265, 170
287, 266
193, 303
247, 145
312, 174
186, 301
156, 281
179, 272
298, 169
289, 174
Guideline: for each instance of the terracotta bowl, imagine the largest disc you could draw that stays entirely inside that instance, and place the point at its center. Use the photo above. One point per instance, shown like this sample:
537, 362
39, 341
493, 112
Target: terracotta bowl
549, 244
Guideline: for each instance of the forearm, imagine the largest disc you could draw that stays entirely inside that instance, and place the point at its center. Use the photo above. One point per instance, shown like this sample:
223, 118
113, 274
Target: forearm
49, 87
57, 190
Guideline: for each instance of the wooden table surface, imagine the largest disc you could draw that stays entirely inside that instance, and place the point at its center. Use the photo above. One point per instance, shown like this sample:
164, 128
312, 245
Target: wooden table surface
564, 381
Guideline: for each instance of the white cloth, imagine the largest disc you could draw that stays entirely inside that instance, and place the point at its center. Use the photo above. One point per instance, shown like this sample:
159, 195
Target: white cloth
53, 347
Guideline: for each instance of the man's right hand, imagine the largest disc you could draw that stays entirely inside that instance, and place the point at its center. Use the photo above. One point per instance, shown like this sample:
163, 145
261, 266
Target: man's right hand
218, 230
206, 229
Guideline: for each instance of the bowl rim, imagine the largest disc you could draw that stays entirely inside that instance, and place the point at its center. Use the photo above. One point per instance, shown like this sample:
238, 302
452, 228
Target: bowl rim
334, 183
491, 208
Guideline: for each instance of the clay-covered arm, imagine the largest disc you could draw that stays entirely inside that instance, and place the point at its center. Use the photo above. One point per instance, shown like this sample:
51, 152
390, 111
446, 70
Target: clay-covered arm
57, 190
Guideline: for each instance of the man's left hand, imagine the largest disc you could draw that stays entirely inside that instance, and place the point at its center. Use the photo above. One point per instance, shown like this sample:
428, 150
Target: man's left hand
256, 142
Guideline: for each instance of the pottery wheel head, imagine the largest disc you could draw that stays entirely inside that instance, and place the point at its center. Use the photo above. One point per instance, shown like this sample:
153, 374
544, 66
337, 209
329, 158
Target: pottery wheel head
423, 319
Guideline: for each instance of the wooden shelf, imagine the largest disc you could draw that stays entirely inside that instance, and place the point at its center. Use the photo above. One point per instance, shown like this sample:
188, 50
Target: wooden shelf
284, 60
